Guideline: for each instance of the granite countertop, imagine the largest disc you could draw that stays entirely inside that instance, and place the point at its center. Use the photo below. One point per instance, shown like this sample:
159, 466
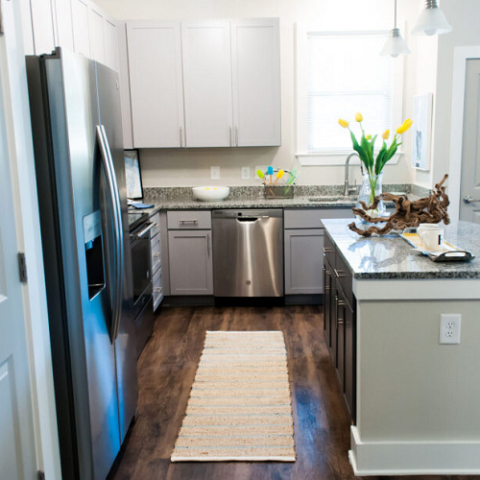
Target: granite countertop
297, 202
392, 257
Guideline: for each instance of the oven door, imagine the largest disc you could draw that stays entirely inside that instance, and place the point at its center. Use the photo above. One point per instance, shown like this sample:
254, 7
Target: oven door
140, 249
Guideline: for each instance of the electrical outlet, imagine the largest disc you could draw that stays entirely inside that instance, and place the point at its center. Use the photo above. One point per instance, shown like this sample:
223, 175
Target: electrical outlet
450, 328
245, 173
215, 173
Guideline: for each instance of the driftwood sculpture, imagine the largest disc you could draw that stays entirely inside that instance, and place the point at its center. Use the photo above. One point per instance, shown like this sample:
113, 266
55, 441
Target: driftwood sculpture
408, 213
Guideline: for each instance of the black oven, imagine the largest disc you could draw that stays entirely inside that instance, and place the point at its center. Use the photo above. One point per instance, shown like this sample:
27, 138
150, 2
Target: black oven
140, 253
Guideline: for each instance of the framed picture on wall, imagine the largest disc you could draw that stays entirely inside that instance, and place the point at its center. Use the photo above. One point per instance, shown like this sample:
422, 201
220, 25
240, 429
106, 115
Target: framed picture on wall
422, 131
133, 175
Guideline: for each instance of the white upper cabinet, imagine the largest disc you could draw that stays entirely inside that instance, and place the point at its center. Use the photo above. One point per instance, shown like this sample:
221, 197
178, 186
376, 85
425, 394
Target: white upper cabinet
43, 26
256, 82
124, 78
156, 84
81, 37
111, 44
64, 25
96, 33
208, 83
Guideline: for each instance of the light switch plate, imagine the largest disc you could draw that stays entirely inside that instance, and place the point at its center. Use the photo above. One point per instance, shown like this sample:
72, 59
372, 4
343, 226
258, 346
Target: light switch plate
215, 173
450, 324
245, 173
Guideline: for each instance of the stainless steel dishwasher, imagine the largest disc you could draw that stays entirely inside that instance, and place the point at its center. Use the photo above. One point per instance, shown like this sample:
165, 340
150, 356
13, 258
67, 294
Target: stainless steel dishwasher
248, 253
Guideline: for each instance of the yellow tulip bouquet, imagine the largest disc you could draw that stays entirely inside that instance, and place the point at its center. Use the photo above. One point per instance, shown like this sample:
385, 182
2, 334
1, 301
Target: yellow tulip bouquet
366, 149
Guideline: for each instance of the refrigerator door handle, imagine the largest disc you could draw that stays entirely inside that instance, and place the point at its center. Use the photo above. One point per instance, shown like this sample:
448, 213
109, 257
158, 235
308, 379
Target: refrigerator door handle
117, 212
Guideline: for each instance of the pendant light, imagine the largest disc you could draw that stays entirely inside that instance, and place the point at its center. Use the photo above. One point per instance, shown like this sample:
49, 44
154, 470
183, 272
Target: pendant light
395, 44
432, 20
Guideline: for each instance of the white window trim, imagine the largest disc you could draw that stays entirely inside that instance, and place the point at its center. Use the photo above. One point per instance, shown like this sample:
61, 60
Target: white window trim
334, 157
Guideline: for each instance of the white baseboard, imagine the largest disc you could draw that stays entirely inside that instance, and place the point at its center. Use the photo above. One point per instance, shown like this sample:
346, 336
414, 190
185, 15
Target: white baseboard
413, 458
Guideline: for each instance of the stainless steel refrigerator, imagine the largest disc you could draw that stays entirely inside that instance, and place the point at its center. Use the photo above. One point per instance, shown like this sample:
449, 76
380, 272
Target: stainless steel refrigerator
77, 130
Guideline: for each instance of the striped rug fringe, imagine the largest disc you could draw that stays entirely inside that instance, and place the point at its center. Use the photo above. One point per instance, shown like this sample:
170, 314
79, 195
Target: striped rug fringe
240, 406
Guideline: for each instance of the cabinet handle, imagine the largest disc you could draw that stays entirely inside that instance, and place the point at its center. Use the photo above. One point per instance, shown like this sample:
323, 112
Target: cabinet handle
327, 250
208, 244
189, 221
339, 273
236, 136
156, 254
158, 289
327, 288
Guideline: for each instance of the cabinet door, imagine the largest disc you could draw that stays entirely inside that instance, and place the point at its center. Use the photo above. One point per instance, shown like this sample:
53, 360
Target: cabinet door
97, 35
124, 79
154, 53
303, 261
43, 26
111, 43
340, 334
350, 359
63, 11
327, 303
190, 258
81, 38
256, 82
208, 83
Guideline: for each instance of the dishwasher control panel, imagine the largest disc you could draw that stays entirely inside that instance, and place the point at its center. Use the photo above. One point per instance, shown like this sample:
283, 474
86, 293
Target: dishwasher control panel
264, 212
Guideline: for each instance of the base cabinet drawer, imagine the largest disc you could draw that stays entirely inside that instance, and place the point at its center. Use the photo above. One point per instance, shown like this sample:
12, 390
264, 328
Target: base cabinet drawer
304, 261
190, 262
157, 283
189, 219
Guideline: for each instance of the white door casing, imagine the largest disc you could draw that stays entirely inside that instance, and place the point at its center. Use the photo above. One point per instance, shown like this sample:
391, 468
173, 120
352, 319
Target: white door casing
18, 170
17, 455
461, 56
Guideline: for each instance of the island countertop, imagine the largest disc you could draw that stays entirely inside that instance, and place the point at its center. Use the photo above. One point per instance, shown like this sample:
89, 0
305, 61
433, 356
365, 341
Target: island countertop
391, 257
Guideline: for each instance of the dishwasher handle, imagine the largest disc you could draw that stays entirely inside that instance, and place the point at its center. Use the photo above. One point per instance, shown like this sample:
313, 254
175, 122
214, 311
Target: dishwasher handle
252, 218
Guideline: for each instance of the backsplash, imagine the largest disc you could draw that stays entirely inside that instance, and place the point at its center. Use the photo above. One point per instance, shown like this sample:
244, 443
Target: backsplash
185, 193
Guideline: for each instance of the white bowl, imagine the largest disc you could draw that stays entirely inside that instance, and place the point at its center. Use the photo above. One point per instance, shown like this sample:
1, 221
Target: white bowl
210, 194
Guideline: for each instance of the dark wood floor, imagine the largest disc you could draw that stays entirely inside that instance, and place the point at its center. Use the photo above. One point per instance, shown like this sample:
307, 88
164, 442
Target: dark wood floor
166, 371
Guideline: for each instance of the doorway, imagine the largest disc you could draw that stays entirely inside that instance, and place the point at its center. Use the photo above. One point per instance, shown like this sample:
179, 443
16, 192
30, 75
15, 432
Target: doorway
470, 177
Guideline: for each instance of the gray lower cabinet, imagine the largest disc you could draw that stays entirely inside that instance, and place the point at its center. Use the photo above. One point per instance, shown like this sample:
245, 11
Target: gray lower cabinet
190, 262
303, 261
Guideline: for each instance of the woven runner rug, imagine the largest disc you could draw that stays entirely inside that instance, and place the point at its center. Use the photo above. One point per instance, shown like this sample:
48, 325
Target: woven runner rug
240, 405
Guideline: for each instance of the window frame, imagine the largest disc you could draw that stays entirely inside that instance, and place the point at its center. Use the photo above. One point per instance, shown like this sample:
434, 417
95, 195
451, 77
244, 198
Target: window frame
334, 157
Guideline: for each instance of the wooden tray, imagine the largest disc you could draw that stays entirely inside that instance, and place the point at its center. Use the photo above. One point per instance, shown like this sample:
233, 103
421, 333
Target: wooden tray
450, 252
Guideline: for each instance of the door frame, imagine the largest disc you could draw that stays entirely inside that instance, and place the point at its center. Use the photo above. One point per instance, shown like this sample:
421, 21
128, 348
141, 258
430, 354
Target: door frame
460, 57
27, 221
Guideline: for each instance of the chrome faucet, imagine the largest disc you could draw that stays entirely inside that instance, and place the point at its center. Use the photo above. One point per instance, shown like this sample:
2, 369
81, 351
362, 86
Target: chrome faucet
347, 189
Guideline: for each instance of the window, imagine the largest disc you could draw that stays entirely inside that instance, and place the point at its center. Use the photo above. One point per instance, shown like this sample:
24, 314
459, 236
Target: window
339, 74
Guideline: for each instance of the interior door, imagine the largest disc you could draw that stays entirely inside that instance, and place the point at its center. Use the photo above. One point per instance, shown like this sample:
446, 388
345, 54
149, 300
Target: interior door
470, 188
207, 84
17, 452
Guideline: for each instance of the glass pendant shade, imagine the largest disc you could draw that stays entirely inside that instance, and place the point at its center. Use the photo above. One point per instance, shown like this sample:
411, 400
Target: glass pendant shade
432, 21
395, 45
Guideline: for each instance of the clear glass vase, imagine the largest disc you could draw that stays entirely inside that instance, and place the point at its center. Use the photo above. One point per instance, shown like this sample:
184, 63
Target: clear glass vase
371, 188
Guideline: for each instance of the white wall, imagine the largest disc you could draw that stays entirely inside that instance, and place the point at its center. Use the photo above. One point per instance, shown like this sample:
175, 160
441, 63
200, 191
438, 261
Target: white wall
191, 167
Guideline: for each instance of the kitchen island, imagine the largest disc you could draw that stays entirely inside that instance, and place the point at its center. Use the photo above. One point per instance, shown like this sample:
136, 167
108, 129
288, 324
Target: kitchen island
415, 403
